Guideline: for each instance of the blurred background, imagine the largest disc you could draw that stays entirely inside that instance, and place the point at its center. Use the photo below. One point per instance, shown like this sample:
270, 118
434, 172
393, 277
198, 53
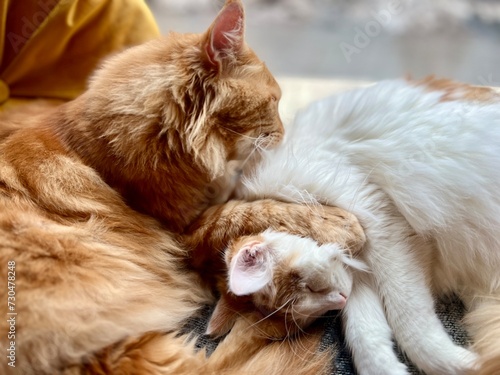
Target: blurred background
363, 40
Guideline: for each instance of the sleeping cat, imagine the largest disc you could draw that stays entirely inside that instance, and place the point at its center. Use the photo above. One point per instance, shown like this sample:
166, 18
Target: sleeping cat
417, 163
268, 266
94, 193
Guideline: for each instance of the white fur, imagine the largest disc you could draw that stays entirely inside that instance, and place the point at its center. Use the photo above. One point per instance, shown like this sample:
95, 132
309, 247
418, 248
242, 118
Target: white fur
325, 280
422, 175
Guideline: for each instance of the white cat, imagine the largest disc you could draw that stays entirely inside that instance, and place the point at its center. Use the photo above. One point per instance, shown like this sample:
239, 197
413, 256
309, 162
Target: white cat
419, 164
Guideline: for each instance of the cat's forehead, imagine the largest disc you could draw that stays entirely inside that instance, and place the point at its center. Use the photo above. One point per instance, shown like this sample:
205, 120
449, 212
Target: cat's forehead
300, 253
271, 81
259, 73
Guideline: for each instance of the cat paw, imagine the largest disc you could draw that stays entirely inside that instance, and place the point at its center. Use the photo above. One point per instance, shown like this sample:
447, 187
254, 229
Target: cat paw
469, 363
466, 362
337, 225
461, 362
384, 369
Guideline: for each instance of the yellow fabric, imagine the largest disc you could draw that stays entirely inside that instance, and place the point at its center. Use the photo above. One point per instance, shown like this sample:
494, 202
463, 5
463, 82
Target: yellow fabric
48, 48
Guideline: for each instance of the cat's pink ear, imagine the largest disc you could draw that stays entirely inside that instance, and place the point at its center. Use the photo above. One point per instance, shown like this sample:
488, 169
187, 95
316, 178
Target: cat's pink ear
225, 37
251, 269
222, 319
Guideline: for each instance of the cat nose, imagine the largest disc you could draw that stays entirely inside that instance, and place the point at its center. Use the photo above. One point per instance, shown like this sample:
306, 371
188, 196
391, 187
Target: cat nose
338, 300
342, 300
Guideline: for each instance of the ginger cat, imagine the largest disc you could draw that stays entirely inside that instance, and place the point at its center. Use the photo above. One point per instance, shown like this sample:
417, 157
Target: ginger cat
93, 192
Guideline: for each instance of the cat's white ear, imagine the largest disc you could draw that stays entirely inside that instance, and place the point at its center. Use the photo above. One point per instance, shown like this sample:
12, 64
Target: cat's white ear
251, 269
225, 37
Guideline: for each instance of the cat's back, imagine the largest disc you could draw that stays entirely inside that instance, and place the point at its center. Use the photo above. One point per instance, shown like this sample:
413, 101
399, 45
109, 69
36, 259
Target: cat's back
400, 110
48, 194
433, 147
431, 144
36, 169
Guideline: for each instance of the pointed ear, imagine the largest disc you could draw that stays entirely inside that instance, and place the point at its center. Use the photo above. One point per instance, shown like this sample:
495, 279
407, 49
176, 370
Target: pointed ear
222, 319
225, 37
251, 269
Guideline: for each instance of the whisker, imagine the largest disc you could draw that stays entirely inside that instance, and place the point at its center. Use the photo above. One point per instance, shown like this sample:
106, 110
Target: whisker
249, 157
295, 321
240, 134
271, 314
240, 315
299, 333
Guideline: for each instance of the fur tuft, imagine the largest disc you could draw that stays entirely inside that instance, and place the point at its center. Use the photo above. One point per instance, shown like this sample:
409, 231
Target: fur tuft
484, 324
243, 352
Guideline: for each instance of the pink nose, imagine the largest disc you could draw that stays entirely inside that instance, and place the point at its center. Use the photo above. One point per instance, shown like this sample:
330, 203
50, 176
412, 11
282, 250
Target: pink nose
338, 301
342, 300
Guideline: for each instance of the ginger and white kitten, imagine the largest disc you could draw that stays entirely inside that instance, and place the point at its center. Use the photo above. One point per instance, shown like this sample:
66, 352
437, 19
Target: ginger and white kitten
286, 274
417, 163
281, 264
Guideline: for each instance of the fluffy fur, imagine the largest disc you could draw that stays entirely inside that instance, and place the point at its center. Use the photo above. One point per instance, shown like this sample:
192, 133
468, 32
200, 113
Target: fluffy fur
279, 271
171, 114
417, 163
93, 192
249, 352
287, 273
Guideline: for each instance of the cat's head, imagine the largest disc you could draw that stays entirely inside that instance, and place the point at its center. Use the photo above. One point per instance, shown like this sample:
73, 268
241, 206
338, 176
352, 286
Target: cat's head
289, 278
208, 96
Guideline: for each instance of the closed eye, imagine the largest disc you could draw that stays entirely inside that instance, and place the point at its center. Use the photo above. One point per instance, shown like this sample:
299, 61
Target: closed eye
317, 289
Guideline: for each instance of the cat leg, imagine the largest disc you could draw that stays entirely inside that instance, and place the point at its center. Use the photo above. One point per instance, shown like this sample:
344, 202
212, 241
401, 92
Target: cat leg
409, 305
367, 332
219, 224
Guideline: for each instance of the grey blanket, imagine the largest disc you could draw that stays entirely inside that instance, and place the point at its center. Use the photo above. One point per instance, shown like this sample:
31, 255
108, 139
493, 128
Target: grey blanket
450, 311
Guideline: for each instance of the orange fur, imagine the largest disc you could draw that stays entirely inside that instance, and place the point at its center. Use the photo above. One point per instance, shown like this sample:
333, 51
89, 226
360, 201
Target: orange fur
85, 262
158, 126
452, 90
243, 351
228, 226
484, 324
15, 118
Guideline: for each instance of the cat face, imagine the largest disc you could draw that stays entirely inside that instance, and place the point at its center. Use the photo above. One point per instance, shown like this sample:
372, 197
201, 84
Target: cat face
208, 96
290, 278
